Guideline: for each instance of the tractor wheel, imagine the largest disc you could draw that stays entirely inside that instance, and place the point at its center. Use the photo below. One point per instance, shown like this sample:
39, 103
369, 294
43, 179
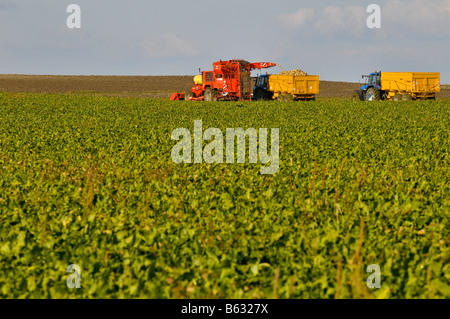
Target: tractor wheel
407, 97
355, 96
432, 98
261, 95
188, 95
373, 95
397, 97
208, 95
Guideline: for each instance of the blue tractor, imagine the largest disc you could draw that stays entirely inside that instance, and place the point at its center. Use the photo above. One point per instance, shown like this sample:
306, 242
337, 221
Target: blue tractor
371, 90
260, 91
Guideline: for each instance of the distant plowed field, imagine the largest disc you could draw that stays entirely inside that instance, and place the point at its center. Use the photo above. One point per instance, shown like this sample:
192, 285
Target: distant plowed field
139, 86
157, 86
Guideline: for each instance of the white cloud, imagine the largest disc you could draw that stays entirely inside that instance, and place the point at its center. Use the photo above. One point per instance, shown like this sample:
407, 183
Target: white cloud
417, 17
405, 18
297, 19
342, 21
168, 45
332, 21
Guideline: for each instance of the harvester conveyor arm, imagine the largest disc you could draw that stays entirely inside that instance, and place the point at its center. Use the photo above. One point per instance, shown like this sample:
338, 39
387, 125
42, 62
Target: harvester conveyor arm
262, 65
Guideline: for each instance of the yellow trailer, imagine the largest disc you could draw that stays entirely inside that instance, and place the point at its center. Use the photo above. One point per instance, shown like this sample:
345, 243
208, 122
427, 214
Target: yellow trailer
396, 86
410, 85
286, 87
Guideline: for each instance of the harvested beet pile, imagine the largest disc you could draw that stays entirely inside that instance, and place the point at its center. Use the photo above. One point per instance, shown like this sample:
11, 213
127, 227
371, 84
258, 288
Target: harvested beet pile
293, 72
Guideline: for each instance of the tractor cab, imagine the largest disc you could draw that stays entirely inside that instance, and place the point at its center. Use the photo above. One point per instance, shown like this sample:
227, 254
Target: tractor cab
372, 80
371, 90
375, 79
261, 82
260, 90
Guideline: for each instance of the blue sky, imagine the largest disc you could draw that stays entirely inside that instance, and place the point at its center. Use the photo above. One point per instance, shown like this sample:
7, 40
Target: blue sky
174, 37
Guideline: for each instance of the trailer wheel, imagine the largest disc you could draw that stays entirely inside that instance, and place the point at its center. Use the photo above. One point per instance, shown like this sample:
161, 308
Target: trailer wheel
373, 95
188, 95
285, 98
289, 98
407, 97
397, 97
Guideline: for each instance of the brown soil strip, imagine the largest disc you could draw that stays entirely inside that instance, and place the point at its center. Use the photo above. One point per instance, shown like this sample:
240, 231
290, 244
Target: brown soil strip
140, 86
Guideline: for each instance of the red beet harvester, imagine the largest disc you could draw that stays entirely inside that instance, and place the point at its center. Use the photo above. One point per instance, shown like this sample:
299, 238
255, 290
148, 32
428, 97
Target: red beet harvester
229, 81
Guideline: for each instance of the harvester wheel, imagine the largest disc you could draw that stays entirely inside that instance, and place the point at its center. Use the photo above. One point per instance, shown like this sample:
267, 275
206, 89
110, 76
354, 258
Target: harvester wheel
188, 95
214, 95
407, 97
397, 97
208, 95
373, 95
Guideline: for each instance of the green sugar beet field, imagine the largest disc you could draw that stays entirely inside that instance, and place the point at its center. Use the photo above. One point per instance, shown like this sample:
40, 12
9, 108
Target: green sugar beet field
90, 181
